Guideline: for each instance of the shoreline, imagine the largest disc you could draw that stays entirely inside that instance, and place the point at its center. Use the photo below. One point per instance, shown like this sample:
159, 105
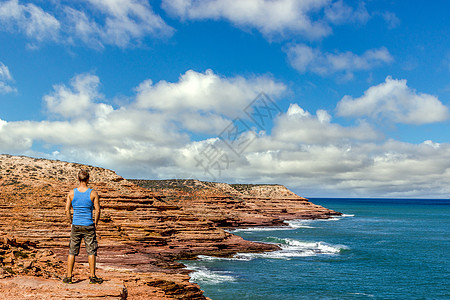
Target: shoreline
376, 239
214, 272
143, 231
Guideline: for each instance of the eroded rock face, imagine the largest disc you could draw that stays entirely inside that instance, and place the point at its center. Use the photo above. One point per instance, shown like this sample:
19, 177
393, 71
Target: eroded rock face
237, 205
144, 225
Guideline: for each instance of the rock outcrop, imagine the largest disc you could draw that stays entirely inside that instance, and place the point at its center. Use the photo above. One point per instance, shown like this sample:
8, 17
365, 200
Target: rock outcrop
144, 228
236, 205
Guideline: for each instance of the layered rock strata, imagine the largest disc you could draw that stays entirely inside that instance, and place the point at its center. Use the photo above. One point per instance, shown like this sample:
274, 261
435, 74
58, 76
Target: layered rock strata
236, 205
144, 227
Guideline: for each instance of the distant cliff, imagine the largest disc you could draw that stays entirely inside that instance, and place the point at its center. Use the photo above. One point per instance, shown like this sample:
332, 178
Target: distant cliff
236, 205
145, 226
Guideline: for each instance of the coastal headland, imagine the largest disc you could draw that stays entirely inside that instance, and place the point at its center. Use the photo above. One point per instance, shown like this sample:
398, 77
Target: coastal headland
145, 227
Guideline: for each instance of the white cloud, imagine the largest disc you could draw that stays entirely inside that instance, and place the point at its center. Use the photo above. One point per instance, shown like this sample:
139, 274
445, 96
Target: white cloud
279, 18
11, 143
299, 126
79, 102
89, 129
269, 17
431, 143
323, 158
121, 23
391, 19
4, 72
201, 100
402, 170
393, 100
309, 153
124, 21
304, 58
83, 28
338, 13
323, 116
30, 19
5, 80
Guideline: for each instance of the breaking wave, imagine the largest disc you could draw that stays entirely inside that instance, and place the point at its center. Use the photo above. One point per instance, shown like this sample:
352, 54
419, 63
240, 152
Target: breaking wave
295, 224
203, 275
290, 248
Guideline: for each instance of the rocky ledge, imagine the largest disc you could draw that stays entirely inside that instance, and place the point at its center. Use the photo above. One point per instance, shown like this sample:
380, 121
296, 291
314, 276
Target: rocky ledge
145, 227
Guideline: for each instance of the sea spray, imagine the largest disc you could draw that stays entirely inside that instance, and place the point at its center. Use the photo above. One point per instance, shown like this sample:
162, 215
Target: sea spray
290, 248
201, 274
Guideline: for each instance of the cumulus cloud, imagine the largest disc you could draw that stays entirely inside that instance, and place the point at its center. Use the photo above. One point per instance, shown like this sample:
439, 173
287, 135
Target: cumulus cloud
402, 170
87, 128
78, 102
147, 138
94, 22
389, 169
269, 17
93, 132
201, 101
307, 59
300, 126
394, 101
315, 156
5, 80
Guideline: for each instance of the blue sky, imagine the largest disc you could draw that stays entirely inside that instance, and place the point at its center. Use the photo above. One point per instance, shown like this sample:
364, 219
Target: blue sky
358, 91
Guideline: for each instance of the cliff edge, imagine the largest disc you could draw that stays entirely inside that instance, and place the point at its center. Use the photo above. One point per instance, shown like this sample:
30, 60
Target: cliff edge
145, 226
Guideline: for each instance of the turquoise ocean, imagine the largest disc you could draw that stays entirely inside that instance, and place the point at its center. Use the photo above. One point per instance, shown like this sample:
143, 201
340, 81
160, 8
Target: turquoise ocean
379, 249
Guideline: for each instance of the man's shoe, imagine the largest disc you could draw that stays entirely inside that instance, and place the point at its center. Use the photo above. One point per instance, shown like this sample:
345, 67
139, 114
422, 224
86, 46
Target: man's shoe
67, 279
95, 279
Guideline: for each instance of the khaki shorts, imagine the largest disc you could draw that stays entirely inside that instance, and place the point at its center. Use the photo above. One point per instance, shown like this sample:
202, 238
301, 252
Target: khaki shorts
90, 239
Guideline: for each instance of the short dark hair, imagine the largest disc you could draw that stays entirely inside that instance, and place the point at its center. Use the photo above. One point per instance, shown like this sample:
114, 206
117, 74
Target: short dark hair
83, 176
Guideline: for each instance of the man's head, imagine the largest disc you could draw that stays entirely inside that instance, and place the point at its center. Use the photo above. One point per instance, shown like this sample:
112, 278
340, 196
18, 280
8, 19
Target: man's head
83, 176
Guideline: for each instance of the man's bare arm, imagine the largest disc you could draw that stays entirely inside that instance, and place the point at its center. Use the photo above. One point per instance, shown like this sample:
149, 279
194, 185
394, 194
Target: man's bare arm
96, 200
68, 206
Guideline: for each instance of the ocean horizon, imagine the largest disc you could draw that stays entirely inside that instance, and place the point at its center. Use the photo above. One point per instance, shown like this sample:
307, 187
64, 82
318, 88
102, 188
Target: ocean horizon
380, 248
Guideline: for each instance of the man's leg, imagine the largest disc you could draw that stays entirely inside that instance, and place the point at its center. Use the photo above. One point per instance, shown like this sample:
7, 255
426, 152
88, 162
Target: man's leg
90, 240
93, 278
70, 264
74, 248
92, 261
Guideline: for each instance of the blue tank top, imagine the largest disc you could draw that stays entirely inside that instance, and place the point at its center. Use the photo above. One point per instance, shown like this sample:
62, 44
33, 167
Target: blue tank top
82, 208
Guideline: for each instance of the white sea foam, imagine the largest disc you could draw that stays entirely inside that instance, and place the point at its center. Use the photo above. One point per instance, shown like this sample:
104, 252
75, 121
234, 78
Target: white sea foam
295, 224
255, 229
204, 275
301, 223
212, 258
290, 248
208, 258
363, 294
292, 224
329, 219
335, 218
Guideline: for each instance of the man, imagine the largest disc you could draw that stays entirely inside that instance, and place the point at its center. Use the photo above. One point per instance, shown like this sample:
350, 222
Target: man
86, 214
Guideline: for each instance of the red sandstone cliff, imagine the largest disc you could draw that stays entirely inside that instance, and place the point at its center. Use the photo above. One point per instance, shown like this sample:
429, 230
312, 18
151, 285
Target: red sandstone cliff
236, 205
144, 227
